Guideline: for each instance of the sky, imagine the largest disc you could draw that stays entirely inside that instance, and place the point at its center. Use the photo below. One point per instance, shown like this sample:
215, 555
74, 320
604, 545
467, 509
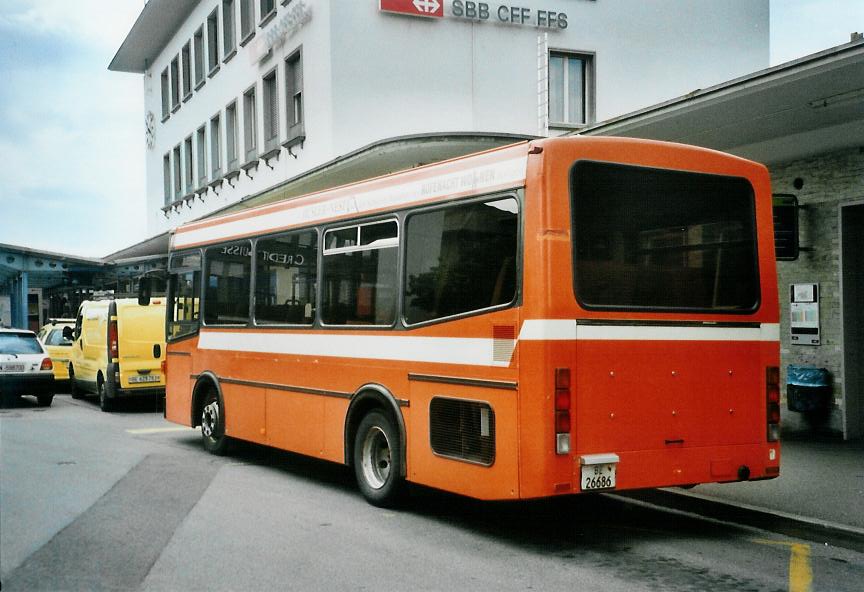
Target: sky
72, 133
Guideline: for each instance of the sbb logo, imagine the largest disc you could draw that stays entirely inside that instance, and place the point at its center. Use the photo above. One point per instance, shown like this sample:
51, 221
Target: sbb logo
430, 8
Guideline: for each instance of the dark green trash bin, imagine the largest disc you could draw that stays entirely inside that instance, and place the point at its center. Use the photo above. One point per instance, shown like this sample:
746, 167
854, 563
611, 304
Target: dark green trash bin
808, 389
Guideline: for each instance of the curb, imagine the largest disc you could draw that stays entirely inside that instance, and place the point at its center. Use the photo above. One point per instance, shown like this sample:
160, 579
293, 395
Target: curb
812, 529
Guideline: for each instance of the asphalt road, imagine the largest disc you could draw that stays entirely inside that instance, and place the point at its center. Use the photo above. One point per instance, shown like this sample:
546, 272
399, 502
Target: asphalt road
127, 501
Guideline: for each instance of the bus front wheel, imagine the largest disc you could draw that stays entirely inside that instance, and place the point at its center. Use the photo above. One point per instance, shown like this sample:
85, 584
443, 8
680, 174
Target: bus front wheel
213, 425
378, 460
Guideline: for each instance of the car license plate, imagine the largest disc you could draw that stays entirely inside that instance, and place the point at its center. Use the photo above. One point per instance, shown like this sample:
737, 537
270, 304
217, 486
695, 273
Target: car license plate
598, 471
12, 367
144, 378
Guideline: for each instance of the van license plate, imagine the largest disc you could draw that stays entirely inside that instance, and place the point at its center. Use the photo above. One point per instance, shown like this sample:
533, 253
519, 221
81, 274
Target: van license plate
144, 378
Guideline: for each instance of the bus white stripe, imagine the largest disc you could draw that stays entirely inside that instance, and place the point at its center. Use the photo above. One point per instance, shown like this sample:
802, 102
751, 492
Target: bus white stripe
463, 350
564, 330
442, 350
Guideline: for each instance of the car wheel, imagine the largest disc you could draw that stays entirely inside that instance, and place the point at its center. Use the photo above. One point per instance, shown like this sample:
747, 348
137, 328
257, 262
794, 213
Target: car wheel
73, 386
213, 425
44, 400
106, 403
378, 460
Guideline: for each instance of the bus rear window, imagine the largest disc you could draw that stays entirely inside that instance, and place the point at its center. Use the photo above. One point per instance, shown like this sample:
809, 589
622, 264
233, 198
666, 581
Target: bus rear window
657, 239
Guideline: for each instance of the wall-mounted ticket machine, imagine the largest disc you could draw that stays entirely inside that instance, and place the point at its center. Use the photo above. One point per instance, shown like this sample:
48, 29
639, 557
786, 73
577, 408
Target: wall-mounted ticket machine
804, 314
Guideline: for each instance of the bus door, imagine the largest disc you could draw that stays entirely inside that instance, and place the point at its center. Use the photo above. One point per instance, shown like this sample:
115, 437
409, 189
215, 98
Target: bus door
184, 293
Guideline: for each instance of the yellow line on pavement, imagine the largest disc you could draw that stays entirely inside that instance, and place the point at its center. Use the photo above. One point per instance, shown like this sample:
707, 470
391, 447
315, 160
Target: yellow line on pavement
800, 572
158, 430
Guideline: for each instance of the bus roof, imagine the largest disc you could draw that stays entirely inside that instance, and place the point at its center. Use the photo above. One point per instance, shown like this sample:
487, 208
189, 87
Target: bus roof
475, 174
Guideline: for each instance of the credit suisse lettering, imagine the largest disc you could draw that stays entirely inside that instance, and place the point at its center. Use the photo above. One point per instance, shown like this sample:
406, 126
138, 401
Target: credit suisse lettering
288, 259
516, 15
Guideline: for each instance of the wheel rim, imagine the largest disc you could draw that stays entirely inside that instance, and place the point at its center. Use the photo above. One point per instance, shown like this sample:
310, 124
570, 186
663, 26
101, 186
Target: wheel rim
375, 458
210, 419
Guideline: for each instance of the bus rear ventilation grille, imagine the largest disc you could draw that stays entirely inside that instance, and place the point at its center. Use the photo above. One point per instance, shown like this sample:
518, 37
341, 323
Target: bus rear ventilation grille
462, 429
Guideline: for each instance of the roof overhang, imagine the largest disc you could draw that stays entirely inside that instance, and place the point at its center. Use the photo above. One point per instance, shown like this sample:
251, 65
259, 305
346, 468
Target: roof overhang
376, 159
794, 110
158, 22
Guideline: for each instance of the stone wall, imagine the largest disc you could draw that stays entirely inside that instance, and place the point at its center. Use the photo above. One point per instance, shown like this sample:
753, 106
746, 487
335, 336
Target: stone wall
829, 181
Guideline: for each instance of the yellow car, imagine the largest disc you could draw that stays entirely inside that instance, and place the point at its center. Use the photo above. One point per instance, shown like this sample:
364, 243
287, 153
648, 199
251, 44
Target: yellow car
58, 347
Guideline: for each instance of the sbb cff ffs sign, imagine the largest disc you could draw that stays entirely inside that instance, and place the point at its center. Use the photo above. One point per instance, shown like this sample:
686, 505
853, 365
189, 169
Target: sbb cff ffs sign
428, 8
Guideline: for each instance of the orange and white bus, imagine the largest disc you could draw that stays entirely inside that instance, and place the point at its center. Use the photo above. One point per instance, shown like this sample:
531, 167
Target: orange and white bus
553, 317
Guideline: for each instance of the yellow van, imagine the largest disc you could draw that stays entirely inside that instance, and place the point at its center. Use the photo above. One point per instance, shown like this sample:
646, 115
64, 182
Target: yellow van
117, 351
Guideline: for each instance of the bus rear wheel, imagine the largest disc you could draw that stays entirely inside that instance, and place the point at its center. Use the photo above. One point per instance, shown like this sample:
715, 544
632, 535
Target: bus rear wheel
378, 460
213, 425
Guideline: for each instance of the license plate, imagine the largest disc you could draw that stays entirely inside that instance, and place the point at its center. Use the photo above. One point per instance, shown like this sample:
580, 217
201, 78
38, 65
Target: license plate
598, 471
12, 367
144, 378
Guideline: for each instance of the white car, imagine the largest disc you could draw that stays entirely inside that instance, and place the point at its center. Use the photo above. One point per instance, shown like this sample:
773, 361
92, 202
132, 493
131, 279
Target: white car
25, 368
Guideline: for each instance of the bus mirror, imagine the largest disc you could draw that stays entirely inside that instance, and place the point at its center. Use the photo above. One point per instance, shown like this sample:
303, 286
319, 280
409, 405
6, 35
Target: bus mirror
786, 246
145, 290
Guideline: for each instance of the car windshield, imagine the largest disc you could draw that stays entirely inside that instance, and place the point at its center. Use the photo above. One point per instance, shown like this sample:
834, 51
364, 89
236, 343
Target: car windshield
19, 343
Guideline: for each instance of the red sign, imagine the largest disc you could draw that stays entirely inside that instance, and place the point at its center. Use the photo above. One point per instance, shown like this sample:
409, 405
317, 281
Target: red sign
430, 8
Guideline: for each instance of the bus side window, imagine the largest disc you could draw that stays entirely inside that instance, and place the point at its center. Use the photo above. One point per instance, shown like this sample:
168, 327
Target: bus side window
461, 259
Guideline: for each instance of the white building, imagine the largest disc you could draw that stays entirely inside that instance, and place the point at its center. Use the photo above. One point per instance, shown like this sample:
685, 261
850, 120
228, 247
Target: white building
243, 95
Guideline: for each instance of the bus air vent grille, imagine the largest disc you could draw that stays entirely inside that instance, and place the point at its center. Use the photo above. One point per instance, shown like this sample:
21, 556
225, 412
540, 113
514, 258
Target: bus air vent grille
463, 430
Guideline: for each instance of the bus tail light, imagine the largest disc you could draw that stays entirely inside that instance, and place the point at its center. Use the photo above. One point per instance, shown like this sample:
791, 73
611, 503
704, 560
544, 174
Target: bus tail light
163, 366
562, 410
46, 364
772, 392
113, 346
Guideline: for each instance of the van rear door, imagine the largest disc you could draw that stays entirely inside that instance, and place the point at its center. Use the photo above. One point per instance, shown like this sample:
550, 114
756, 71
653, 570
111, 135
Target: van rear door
141, 332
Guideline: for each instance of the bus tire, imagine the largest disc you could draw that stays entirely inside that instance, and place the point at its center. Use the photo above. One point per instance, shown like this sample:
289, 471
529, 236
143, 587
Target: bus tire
213, 425
378, 460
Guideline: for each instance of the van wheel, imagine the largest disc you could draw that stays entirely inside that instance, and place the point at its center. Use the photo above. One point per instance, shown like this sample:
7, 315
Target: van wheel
378, 460
44, 400
106, 404
213, 425
73, 386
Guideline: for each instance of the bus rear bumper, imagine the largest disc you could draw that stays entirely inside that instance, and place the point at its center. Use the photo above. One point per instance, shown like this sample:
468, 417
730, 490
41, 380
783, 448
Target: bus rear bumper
688, 466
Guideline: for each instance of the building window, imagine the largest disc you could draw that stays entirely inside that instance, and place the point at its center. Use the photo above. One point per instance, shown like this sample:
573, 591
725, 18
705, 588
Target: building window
247, 20
232, 159
213, 41
166, 95
570, 89
202, 155
178, 173
166, 172
216, 147
250, 125
187, 153
268, 10
294, 96
175, 83
271, 112
187, 70
229, 44
199, 56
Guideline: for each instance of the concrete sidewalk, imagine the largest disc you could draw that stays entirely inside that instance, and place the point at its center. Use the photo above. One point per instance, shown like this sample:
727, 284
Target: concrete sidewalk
819, 494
